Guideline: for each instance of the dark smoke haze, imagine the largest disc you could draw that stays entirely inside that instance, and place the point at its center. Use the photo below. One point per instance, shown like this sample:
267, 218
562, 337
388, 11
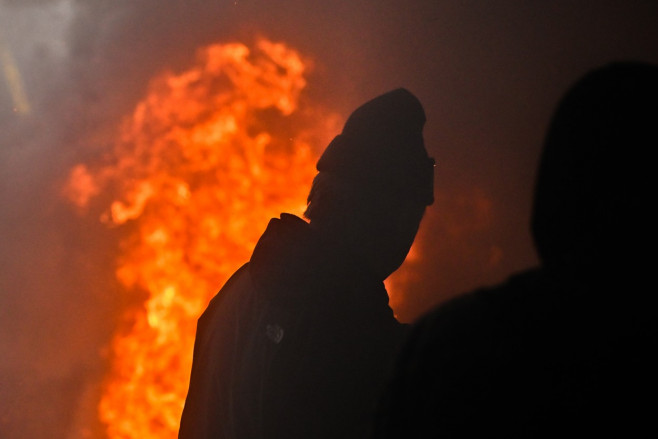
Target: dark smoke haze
488, 72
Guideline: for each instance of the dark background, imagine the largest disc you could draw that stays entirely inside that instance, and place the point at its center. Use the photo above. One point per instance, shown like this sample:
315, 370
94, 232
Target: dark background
488, 72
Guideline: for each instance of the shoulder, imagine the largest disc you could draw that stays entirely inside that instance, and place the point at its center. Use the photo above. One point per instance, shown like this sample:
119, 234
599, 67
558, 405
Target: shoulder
483, 302
477, 318
238, 283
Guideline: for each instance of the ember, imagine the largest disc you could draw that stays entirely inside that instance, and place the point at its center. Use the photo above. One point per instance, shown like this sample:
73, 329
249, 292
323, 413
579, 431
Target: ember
208, 156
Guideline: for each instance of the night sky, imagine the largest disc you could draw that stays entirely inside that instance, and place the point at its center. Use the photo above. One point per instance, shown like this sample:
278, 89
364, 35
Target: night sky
489, 74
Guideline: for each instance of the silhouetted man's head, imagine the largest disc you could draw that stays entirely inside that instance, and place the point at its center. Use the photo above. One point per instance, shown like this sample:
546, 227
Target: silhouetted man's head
595, 182
374, 182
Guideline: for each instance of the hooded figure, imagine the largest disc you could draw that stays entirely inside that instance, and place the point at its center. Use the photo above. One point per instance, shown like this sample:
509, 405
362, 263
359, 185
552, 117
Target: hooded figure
565, 349
297, 344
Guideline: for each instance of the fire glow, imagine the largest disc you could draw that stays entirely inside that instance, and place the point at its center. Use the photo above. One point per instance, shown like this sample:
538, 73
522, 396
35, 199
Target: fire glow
207, 157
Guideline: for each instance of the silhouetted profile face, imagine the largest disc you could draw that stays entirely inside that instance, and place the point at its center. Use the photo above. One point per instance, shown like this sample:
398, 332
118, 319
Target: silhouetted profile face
597, 173
375, 181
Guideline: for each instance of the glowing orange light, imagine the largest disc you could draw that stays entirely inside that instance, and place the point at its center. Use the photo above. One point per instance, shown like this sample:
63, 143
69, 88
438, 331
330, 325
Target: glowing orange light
206, 158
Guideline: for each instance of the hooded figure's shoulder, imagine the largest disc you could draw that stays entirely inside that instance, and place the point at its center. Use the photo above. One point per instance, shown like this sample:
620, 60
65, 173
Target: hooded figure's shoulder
484, 305
477, 326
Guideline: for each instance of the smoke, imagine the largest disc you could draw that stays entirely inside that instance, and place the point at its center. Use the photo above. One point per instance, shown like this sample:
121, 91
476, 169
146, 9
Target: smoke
488, 75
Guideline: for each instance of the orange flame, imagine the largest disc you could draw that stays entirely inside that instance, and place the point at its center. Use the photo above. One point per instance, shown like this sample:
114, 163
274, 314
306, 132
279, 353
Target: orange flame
207, 157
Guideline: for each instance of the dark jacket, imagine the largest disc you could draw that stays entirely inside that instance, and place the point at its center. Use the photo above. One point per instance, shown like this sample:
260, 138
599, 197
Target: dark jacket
542, 355
297, 344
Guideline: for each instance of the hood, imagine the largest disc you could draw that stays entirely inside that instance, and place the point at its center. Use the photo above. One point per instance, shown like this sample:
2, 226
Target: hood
595, 177
381, 148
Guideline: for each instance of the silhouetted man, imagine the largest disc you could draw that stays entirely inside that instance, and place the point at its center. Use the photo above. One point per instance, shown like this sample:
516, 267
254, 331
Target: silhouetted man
564, 350
298, 342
